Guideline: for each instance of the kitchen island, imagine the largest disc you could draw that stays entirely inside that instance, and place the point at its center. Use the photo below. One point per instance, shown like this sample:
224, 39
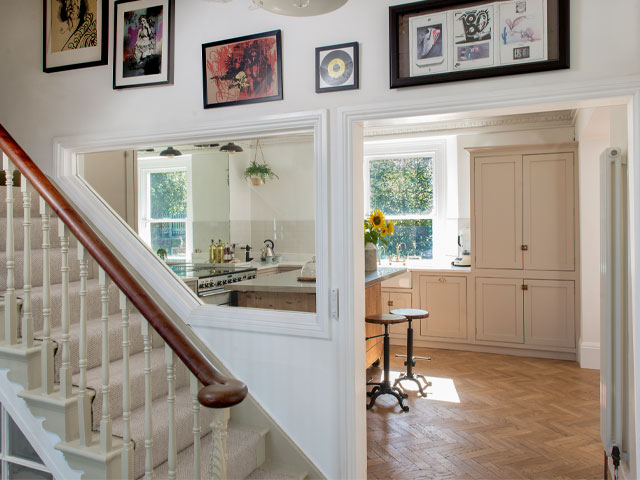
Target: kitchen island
373, 306
281, 291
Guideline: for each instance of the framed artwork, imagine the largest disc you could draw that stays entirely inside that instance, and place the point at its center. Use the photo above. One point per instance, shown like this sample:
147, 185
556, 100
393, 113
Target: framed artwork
337, 67
242, 70
437, 41
75, 34
143, 42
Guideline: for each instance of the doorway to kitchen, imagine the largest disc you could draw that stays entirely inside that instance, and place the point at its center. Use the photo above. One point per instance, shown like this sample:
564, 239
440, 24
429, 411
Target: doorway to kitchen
594, 125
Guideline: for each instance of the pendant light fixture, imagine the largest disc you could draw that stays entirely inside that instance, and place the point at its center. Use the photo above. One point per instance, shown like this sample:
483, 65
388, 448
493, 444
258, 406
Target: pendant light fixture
300, 8
231, 148
170, 152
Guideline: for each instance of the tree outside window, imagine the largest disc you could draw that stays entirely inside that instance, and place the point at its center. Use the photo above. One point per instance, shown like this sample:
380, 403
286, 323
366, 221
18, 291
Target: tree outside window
402, 188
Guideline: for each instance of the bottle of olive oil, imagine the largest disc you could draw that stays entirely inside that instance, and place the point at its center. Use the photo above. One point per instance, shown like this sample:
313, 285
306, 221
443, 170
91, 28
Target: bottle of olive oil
212, 252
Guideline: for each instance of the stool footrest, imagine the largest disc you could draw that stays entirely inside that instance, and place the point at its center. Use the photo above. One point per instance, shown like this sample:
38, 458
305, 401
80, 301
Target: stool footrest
398, 355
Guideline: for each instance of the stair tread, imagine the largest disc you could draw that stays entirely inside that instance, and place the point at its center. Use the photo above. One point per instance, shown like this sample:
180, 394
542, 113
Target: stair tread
137, 380
160, 410
242, 441
266, 472
94, 340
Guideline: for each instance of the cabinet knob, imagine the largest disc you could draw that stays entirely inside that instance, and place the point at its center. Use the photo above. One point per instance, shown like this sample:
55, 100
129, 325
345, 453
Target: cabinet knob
524, 248
525, 287
442, 280
390, 303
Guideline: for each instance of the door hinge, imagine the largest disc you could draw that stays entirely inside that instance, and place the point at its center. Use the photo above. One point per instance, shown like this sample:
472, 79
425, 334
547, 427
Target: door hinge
334, 301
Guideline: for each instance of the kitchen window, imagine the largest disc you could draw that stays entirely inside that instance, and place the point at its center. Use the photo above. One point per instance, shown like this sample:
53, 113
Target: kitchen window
405, 180
164, 205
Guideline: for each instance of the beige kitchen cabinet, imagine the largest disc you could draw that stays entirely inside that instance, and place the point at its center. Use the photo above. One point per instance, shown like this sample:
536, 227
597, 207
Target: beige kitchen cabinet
445, 298
548, 211
498, 211
391, 300
524, 208
549, 313
499, 310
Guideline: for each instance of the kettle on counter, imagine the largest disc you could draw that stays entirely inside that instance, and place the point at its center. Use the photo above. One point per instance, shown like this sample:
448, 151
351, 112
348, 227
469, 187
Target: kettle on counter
267, 251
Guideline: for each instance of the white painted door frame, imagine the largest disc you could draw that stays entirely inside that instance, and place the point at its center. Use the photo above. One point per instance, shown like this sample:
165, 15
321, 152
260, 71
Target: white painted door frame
347, 211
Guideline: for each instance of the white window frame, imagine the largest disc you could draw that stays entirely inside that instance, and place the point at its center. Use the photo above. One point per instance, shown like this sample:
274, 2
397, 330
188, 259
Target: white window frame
413, 148
149, 165
5, 457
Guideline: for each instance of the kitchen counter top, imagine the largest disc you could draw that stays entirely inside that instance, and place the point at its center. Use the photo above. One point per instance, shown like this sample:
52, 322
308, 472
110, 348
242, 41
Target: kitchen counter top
382, 274
286, 282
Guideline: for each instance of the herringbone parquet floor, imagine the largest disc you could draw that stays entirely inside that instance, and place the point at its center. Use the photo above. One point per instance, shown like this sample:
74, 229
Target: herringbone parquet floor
516, 418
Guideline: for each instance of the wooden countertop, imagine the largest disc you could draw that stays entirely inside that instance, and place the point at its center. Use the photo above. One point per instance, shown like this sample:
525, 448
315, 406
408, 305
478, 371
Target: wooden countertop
280, 282
382, 274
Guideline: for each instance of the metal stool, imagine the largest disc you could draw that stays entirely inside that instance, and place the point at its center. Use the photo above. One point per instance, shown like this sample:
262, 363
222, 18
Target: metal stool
385, 388
411, 314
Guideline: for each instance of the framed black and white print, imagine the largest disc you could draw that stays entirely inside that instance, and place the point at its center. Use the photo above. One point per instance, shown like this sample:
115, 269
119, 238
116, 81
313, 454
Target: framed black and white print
337, 67
143, 43
75, 34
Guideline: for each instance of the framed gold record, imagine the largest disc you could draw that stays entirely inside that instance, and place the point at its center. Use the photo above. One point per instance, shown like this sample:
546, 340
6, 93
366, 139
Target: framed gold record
337, 67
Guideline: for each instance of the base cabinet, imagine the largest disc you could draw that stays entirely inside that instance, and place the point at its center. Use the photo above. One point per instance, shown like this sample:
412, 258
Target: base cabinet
549, 313
499, 310
392, 300
533, 312
445, 298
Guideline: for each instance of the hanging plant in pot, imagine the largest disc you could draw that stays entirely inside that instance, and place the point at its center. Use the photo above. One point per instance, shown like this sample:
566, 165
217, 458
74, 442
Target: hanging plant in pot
259, 172
375, 229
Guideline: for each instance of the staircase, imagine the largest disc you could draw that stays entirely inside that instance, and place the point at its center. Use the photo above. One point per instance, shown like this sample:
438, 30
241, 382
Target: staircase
106, 382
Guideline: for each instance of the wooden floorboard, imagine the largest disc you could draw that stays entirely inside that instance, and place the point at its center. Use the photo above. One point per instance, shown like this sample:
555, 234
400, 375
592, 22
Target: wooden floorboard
488, 416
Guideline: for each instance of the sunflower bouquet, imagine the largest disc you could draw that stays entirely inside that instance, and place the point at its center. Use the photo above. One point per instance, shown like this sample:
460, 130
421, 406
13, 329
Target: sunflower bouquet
376, 228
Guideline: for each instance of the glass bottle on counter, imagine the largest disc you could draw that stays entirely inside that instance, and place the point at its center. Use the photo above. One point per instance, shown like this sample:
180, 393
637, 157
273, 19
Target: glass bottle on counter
212, 252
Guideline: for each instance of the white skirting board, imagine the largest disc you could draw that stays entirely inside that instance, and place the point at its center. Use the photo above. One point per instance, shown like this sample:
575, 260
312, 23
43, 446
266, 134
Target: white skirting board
589, 355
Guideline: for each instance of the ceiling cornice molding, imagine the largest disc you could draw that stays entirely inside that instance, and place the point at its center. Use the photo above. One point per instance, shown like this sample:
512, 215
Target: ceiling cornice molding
535, 120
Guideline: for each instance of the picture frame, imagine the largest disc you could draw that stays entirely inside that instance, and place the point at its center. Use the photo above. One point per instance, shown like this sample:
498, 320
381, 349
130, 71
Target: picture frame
143, 43
242, 70
337, 67
435, 41
75, 34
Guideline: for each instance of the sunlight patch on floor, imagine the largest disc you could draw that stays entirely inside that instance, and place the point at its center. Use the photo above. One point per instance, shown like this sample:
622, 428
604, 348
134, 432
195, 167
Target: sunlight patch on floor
441, 389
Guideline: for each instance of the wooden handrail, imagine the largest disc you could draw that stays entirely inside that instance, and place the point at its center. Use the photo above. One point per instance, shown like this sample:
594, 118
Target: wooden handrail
218, 391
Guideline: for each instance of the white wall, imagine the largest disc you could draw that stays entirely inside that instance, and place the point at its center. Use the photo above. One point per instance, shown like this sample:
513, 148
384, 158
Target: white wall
593, 134
36, 107
111, 174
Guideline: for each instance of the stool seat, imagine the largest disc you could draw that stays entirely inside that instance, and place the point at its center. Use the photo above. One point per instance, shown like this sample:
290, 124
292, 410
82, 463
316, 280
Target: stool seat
411, 313
385, 319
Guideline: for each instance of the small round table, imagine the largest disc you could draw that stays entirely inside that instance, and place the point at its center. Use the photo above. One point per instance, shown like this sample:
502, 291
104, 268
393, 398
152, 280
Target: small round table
411, 314
385, 388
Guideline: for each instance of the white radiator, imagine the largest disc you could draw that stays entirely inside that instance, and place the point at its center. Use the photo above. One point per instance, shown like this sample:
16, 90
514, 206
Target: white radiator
614, 325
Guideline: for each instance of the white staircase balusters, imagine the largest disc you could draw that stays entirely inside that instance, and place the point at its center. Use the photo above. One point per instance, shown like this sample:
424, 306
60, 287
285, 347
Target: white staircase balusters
218, 458
84, 404
127, 444
148, 399
105, 421
10, 316
27, 311
65, 364
47, 345
172, 458
195, 387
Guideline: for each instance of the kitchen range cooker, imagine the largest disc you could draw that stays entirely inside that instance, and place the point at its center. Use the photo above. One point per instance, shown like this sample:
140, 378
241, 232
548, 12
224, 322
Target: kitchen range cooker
212, 279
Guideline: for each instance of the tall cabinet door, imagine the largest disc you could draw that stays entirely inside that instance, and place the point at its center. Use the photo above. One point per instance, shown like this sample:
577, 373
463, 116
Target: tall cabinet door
499, 310
498, 212
549, 313
445, 298
548, 213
